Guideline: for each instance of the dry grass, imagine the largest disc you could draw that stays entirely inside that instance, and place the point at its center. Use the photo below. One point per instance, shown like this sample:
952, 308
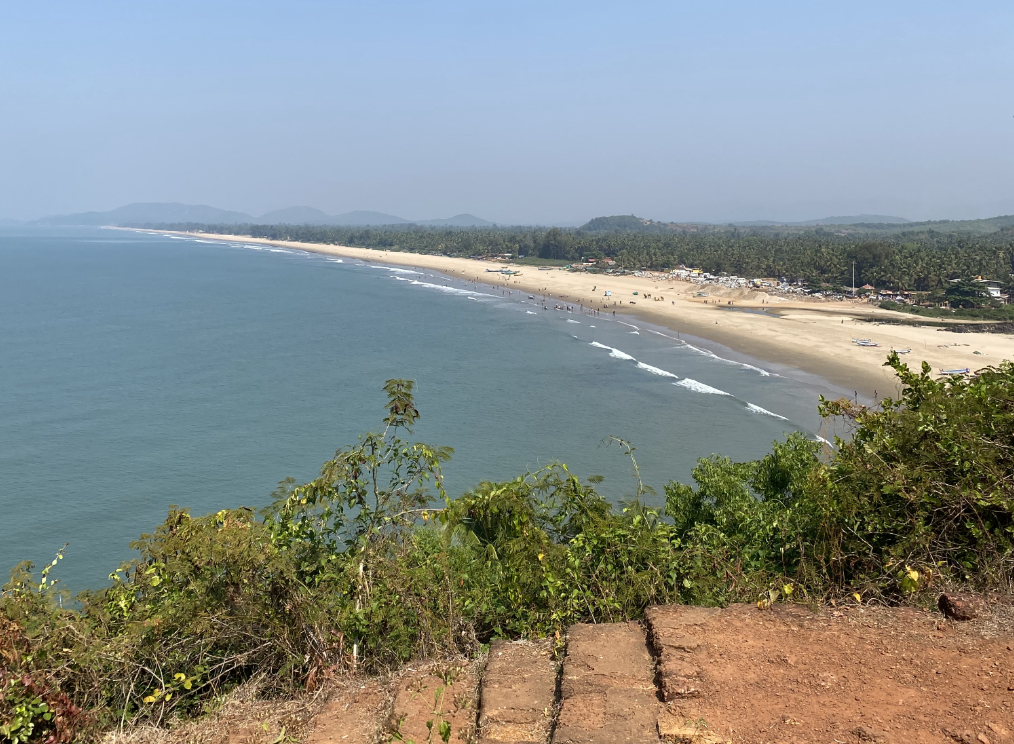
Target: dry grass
241, 719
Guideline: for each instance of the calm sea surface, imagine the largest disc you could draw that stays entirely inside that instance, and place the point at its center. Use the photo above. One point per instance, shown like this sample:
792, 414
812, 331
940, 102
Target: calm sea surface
139, 371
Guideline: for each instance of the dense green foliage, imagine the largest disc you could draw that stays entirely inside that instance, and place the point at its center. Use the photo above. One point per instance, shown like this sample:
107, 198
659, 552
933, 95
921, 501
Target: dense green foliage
1000, 312
914, 261
372, 564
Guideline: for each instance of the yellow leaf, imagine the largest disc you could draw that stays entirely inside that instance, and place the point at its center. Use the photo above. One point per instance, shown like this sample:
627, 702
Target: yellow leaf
149, 699
541, 556
168, 696
187, 685
179, 676
859, 599
787, 590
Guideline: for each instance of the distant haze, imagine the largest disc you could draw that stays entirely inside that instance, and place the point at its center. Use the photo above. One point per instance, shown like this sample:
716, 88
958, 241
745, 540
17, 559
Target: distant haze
132, 214
515, 112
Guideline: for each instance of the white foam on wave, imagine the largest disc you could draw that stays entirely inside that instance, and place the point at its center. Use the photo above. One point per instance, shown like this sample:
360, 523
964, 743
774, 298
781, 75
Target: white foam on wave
656, 371
207, 242
396, 270
617, 354
699, 387
665, 335
635, 333
529, 312
591, 326
758, 409
569, 320
443, 287
713, 355
334, 260
177, 237
629, 325
821, 439
279, 250
614, 353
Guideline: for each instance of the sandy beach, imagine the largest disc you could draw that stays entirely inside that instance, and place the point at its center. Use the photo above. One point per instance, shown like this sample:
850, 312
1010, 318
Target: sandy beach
804, 334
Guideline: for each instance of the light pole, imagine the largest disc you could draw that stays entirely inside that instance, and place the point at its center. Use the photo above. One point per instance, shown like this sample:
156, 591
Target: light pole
853, 279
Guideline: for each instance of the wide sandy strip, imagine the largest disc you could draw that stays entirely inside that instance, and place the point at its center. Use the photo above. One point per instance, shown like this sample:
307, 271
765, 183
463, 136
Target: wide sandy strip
804, 334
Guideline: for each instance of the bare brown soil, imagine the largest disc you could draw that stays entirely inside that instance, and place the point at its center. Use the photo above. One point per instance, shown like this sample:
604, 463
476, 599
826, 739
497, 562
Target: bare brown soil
428, 696
787, 675
784, 675
354, 715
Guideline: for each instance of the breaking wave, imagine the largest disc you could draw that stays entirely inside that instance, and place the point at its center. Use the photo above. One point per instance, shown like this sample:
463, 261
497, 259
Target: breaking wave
699, 387
614, 353
758, 409
656, 371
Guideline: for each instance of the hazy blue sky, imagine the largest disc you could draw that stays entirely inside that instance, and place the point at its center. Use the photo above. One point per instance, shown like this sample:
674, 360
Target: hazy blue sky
514, 111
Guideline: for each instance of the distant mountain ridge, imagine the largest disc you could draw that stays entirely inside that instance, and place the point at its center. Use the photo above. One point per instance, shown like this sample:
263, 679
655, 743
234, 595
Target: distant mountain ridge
150, 212
174, 213
854, 219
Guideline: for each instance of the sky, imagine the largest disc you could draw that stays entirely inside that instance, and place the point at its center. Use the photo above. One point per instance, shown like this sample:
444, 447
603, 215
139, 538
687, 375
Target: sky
518, 112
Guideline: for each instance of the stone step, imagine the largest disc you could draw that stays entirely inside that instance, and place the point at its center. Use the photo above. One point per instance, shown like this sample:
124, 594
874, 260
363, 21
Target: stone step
675, 633
518, 693
607, 688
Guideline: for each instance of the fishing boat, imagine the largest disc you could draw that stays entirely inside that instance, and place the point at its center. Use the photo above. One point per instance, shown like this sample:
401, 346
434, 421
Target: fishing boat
964, 371
866, 342
901, 351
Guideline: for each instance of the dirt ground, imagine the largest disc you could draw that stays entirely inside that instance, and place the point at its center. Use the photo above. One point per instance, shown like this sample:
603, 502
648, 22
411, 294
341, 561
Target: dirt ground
898, 676
784, 675
428, 697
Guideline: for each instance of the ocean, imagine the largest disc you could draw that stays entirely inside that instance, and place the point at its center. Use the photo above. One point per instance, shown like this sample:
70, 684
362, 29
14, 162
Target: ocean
139, 371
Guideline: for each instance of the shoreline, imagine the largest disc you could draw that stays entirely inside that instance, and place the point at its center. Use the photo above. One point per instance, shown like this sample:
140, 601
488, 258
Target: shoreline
810, 336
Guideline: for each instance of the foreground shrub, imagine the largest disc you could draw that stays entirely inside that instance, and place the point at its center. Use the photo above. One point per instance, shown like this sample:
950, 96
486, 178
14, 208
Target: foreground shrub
924, 488
371, 564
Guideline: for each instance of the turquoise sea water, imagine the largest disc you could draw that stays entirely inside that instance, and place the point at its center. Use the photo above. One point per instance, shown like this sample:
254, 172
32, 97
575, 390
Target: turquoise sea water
139, 371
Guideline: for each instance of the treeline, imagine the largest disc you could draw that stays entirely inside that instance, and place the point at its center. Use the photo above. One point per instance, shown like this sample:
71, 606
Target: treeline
372, 564
922, 262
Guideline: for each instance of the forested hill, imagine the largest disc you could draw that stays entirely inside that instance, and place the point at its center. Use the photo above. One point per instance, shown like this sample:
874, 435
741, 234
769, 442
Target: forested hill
915, 260
855, 225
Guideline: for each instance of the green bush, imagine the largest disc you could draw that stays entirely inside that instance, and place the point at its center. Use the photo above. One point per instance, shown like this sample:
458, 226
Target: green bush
371, 564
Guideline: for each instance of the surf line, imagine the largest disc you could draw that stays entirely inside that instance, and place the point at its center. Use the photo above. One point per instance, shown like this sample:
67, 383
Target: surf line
687, 382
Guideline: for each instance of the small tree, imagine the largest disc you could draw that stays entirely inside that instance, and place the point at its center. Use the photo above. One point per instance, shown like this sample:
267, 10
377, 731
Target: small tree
967, 293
